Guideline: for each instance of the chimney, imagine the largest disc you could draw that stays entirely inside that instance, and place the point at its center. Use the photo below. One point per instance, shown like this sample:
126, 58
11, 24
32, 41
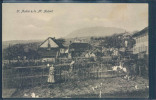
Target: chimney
70, 42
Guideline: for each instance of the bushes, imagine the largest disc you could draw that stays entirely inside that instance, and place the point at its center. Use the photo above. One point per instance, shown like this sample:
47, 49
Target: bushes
21, 63
137, 67
19, 51
142, 67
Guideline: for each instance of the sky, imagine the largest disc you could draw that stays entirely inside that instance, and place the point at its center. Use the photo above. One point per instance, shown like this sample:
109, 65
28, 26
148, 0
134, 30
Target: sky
65, 18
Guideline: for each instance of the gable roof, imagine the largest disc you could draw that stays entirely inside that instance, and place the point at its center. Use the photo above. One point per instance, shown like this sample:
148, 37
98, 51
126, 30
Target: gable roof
144, 31
52, 42
80, 45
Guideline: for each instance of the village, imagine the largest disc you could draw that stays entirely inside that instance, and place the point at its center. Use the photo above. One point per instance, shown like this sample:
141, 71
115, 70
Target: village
96, 67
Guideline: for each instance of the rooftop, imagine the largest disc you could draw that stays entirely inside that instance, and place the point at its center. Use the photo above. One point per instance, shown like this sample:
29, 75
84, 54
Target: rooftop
52, 42
142, 32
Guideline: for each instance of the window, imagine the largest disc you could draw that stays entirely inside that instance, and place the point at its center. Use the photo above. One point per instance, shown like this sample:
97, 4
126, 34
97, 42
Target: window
136, 40
139, 49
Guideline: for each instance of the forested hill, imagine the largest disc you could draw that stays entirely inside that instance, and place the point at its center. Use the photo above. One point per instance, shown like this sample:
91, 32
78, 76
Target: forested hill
95, 32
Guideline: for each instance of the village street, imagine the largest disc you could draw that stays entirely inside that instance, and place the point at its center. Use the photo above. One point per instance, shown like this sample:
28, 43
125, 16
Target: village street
110, 87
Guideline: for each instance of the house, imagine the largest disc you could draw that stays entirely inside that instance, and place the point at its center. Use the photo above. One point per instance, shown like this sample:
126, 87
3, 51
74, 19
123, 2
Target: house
115, 52
64, 53
106, 59
104, 50
50, 49
76, 49
88, 54
122, 49
141, 46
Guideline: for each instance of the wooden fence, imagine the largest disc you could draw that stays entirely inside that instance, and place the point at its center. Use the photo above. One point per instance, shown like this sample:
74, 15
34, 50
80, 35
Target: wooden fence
24, 77
20, 77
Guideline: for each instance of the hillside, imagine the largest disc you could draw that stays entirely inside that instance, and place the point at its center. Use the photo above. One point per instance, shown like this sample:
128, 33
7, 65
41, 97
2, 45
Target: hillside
5, 44
81, 33
95, 31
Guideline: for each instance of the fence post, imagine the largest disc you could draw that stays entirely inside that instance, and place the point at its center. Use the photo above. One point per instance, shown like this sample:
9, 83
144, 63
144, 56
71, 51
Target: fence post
60, 74
11, 75
31, 78
94, 71
19, 79
65, 76
100, 70
97, 73
83, 73
139, 71
89, 72
41, 78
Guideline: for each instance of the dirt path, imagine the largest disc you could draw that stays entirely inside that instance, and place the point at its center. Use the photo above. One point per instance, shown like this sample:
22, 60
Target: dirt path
111, 87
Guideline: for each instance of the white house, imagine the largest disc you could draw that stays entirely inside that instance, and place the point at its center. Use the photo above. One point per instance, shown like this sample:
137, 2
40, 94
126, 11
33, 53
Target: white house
141, 46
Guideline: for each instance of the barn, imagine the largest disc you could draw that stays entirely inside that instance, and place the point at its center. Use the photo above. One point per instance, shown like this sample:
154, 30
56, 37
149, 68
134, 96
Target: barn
50, 49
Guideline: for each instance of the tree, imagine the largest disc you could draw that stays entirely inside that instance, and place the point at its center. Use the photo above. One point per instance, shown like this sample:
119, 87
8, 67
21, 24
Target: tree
61, 40
19, 51
92, 38
117, 41
131, 42
12, 52
112, 42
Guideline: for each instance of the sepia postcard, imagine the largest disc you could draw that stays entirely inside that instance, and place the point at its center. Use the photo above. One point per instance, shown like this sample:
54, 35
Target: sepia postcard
75, 50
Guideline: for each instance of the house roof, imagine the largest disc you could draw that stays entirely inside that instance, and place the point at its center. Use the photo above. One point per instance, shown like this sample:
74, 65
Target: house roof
142, 32
80, 46
52, 42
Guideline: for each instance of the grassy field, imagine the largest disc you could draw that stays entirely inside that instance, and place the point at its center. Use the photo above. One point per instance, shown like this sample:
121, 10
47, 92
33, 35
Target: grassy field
116, 87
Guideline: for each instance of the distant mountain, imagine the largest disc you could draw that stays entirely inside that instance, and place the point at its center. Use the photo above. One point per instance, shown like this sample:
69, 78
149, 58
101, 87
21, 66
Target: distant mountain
95, 31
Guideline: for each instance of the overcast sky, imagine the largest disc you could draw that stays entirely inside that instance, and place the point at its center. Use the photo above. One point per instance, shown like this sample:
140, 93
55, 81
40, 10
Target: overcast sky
68, 17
